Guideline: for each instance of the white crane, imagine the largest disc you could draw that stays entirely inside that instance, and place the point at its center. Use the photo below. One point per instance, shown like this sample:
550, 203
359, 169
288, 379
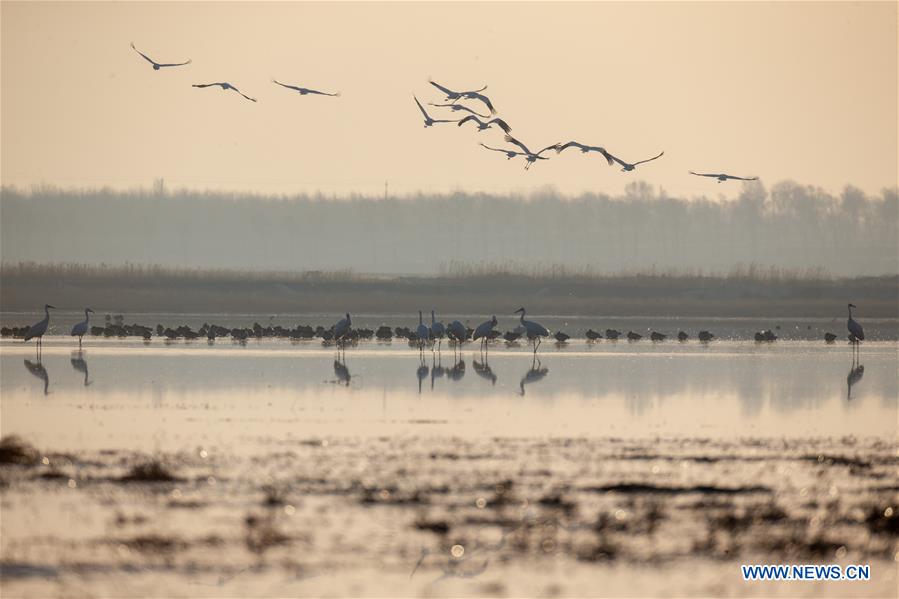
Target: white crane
468, 95
484, 329
535, 331
81, 328
458, 333
724, 177
457, 107
585, 149
304, 91
423, 332
342, 330
225, 86
627, 166
428, 120
437, 330
856, 333
159, 65
38, 329
484, 125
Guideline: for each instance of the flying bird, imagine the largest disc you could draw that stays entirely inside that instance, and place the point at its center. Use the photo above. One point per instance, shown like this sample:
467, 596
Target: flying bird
428, 120
225, 86
585, 149
510, 154
456, 107
454, 96
304, 91
468, 95
627, 166
483, 126
530, 157
723, 177
158, 65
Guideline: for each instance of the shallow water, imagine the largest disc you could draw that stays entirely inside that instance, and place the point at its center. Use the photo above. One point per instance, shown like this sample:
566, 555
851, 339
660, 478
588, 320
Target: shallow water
598, 470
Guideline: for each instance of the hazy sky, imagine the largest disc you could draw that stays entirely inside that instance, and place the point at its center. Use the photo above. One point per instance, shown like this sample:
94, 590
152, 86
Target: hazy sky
802, 91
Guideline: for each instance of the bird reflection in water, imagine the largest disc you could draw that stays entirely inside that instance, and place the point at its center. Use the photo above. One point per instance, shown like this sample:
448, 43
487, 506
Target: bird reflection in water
457, 371
484, 370
80, 365
536, 373
422, 373
38, 370
856, 372
437, 370
342, 372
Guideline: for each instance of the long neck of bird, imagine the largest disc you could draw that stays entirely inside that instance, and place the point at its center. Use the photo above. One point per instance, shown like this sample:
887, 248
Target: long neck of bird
850, 311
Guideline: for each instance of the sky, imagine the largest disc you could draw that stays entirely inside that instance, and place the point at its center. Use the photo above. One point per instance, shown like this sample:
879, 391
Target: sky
799, 91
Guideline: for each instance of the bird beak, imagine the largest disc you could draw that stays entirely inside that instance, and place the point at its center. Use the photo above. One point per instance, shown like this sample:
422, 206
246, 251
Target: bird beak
49, 306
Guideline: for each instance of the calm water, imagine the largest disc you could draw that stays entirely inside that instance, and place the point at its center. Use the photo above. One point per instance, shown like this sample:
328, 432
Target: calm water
596, 470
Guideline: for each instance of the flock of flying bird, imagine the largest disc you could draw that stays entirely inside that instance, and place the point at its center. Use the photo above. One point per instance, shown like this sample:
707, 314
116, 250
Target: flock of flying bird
455, 331
482, 121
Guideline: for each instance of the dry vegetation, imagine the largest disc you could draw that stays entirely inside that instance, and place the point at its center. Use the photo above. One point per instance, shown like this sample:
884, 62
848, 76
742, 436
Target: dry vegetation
479, 288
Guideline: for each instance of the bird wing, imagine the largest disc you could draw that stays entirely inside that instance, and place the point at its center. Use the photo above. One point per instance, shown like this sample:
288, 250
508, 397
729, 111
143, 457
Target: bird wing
243, 94
705, 174
501, 124
552, 147
514, 141
482, 98
501, 150
447, 91
570, 144
320, 93
467, 109
470, 117
649, 159
147, 58
742, 178
208, 84
175, 64
293, 87
612, 158
422, 109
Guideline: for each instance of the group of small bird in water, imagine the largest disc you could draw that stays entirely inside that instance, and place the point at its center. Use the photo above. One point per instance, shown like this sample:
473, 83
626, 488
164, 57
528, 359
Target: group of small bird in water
483, 122
343, 333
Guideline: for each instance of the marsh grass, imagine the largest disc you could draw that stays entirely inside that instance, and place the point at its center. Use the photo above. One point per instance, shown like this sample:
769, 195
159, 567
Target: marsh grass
460, 288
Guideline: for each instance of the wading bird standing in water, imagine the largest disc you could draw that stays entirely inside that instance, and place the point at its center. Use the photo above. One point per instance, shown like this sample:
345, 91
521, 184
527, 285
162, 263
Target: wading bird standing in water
38, 329
423, 332
225, 86
342, 331
81, 328
483, 331
304, 91
856, 333
534, 330
428, 120
457, 332
724, 177
437, 330
158, 65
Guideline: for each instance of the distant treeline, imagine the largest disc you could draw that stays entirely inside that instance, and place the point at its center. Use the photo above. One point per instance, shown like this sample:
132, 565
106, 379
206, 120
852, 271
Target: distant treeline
744, 292
790, 227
